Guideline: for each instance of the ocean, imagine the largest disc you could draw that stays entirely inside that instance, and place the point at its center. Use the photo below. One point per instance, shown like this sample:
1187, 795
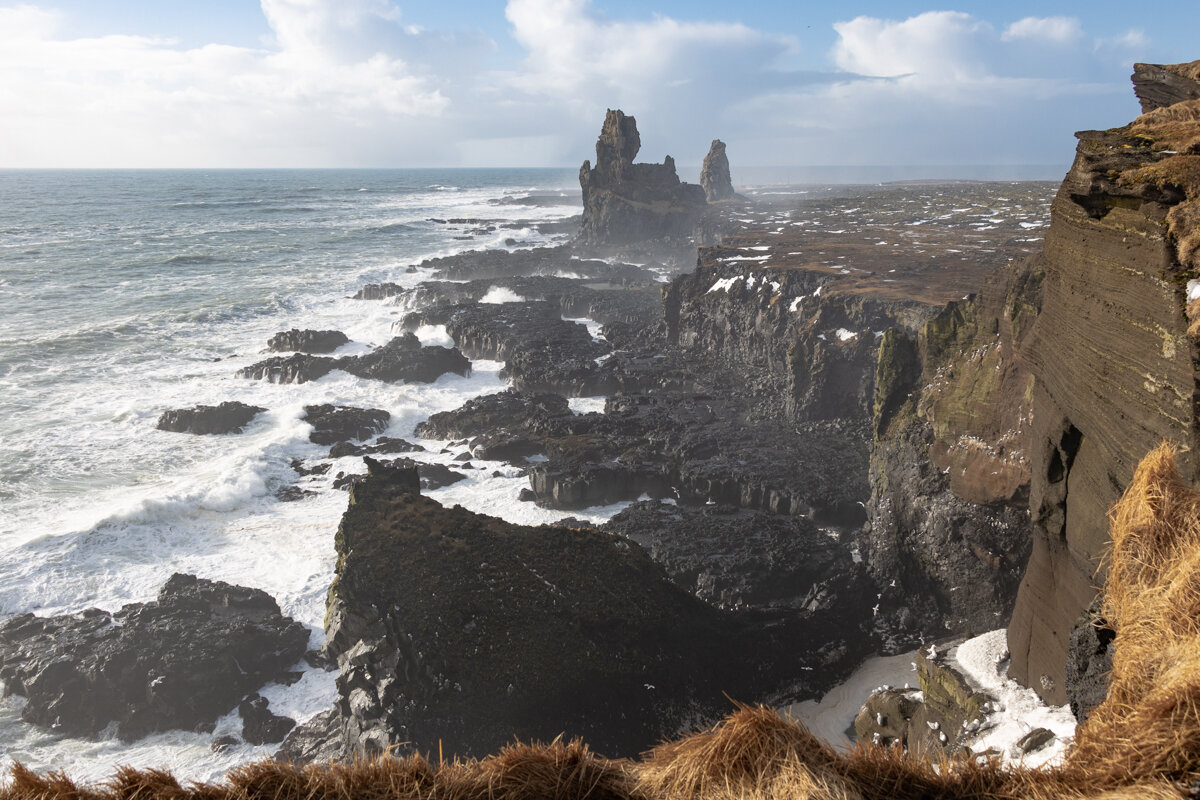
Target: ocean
127, 293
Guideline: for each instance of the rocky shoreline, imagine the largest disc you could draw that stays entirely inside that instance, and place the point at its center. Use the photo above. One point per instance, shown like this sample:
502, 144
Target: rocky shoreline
837, 441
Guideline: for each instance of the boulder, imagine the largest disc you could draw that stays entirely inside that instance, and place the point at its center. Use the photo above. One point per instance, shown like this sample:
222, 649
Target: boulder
180, 661
306, 341
229, 417
259, 725
332, 424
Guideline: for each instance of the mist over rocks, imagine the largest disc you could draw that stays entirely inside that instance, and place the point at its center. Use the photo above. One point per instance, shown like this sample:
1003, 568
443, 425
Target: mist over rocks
177, 662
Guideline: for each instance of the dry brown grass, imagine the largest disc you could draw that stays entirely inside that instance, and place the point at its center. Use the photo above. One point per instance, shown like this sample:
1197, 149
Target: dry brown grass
1175, 127
1142, 743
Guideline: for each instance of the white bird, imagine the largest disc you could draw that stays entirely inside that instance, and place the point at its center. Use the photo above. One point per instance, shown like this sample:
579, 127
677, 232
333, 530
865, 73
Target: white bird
879, 719
875, 610
649, 685
932, 650
942, 738
933, 724
893, 583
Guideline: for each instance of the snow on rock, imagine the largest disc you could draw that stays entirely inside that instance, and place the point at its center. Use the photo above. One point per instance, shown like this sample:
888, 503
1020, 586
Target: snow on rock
984, 660
723, 285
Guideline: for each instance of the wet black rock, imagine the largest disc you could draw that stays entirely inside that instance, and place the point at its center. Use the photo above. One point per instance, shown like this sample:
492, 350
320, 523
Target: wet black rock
180, 661
404, 359
735, 558
332, 424
541, 350
298, 368
384, 445
259, 724
230, 417
306, 341
1089, 662
401, 359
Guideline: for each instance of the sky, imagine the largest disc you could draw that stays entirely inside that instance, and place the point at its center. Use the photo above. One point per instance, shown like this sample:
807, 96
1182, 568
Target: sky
470, 83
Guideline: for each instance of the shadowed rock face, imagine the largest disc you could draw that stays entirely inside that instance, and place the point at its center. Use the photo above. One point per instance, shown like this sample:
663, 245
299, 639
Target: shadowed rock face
180, 661
1115, 374
714, 174
624, 202
454, 627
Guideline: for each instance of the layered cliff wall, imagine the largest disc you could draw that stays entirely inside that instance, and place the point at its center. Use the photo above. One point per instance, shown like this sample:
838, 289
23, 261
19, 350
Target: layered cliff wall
1115, 368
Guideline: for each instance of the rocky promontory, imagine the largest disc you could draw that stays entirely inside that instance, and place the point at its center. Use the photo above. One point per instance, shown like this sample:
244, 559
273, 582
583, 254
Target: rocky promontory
624, 202
459, 630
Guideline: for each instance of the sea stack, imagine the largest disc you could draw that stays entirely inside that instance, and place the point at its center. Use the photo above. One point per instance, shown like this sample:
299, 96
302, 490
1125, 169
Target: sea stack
624, 202
714, 174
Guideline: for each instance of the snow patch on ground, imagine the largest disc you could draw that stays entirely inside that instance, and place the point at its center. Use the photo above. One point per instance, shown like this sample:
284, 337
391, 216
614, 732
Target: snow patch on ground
984, 660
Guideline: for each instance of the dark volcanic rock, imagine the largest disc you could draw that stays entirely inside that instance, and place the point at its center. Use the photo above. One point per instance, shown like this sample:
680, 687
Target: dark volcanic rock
306, 341
733, 558
259, 725
714, 174
180, 661
382, 445
462, 629
298, 368
228, 417
401, 359
404, 359
333, 424
541, 350
627, 202
1089, 662
1160, 85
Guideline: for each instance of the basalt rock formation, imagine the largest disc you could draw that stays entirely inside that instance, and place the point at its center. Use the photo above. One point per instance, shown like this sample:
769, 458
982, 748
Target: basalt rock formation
180, 661
714, 174
401, 359
229, 417
1114, 363
625, 202
458, 630
306, 341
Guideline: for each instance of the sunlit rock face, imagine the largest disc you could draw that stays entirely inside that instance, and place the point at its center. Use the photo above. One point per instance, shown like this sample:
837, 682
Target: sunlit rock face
1114, 364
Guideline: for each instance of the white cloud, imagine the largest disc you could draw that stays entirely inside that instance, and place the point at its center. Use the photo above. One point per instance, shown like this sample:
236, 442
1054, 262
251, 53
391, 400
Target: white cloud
1060, 30
942, 44
130, 100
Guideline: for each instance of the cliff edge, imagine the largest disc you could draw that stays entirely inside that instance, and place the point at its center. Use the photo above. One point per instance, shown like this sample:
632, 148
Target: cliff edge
1114, 364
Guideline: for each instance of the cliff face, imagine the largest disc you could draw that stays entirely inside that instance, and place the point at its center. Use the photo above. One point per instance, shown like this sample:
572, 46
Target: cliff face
949, 530
1162, 85
1115, 373
624, 202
